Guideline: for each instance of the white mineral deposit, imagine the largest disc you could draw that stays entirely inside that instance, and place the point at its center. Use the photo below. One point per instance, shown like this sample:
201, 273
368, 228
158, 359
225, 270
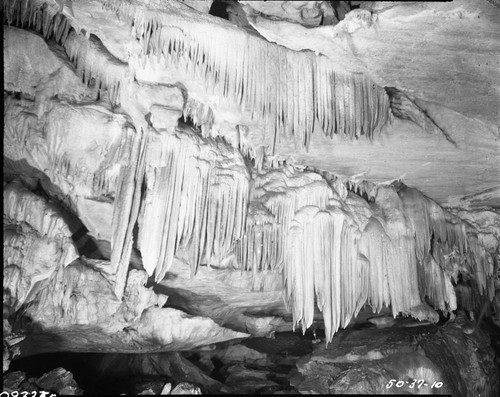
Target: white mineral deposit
256, 197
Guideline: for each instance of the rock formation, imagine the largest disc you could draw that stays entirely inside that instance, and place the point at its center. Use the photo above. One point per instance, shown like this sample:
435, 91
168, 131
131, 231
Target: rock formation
174, 179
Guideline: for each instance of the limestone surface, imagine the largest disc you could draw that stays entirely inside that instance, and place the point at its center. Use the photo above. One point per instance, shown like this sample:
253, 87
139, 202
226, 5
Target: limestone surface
177, 179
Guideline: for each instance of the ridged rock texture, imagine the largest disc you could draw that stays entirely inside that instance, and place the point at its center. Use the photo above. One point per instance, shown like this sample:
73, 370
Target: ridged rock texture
196, 199
37, 241
181, 141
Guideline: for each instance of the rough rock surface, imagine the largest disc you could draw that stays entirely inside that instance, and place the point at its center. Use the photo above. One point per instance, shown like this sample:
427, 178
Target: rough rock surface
58, 381
307, 13
405, 356
365, 361
406, 45
228, 296
279, 201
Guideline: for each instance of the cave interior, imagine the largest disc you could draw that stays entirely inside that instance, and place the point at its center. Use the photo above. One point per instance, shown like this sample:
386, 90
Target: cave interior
251, 197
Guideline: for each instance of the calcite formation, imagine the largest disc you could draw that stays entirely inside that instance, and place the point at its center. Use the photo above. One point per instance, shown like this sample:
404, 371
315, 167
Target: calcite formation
180, 140
37, 242
195, 201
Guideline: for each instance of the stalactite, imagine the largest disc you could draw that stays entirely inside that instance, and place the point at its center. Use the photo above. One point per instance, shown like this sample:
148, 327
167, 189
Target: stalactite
92, 60
220, 59
196, 200
99, 184
322, 261
398, 248
283, 192
434, 227
126, 208
269, 80
436, 286
201, 115
373, 245
313, 243
345, 252
481, 264
257, 249
403, 280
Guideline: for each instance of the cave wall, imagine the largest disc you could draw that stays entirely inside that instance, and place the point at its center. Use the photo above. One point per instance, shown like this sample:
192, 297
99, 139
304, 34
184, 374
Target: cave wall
159, 145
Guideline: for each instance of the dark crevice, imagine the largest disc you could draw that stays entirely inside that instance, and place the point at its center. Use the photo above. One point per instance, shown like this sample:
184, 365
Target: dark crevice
219, 9
188, 122
19, 95
41, 185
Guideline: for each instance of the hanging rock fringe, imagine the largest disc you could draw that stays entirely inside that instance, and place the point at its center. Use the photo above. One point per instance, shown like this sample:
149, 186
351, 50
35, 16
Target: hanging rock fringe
282, 192
448, 235
400, 249
322, 263
292, 91
200, 114
373, 246
257, 248
126, 208
196, 201
92, 60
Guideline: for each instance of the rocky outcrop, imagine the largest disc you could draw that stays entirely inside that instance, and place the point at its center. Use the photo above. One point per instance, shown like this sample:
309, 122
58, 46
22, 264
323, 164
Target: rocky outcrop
37, 241
78, 311
306, 13
57, 381
402, 356
401, 359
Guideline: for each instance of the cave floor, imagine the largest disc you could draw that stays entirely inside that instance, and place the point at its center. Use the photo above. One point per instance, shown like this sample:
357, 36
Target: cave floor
360, 359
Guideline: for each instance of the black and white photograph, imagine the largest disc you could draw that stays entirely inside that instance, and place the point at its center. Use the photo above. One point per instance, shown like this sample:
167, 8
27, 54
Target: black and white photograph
251, 197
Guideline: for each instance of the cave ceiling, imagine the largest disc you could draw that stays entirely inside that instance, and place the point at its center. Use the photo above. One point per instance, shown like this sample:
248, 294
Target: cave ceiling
293, 156
443, 57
